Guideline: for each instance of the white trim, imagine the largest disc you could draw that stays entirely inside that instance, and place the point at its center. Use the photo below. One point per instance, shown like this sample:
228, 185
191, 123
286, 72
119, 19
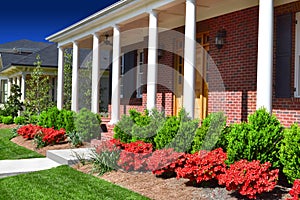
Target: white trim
60, 79
140, 72
74, 105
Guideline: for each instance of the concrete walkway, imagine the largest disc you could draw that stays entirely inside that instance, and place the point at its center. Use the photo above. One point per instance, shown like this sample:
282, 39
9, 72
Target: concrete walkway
54, 158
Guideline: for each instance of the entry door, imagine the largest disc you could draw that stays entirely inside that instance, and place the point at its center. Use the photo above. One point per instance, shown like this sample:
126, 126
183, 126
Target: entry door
178, 77
201, 87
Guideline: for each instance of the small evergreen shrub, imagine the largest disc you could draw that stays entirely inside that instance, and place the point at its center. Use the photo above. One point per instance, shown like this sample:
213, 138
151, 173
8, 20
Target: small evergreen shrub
8, 120
87, 124
33, 119
57, 119
207, 136
48, 118
167, 132
290, 153
65, 120
20, 120
259, 139
1, 118
147, 125
123, 128
182, 142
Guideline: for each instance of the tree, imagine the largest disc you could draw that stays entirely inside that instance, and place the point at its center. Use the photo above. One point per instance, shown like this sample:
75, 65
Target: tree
37, 90
67, 80
14, 105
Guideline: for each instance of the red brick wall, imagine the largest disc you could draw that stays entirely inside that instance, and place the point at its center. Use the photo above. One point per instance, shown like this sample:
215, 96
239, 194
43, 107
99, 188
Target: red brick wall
236, 63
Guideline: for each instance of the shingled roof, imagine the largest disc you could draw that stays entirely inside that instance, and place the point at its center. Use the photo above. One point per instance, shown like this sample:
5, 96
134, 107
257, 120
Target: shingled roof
24, 52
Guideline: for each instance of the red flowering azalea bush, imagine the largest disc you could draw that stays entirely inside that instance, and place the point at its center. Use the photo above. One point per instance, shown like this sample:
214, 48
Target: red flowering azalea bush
109, 146
134, 156
249, 178
165, 161
51, 136
29, 131
295, 191
203, 166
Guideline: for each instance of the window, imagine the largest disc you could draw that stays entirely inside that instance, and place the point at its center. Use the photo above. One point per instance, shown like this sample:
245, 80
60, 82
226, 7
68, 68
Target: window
139, 74
122, 66
4, 91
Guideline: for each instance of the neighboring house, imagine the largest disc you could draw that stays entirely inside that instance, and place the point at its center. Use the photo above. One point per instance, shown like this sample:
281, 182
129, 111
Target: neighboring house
253, 60
17, 60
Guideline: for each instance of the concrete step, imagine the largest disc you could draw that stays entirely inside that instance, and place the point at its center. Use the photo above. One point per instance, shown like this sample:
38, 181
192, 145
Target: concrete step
70, 156
15, 167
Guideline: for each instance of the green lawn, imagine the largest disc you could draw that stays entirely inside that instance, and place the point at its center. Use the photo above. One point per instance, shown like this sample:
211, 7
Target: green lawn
11, 151
61, 183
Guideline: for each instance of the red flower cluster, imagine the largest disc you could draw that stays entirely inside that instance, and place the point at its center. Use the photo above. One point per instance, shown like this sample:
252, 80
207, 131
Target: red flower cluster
29, 131
295, 191
249, 178
165, 161
134, 156
109, 145
49, 135
203, 166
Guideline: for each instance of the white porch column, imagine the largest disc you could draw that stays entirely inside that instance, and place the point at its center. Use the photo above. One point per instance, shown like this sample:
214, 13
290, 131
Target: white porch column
265, 55
189, 58
152, 61
23, 86
95, 74
60, 79
115, 98
74, 105
18, 81
9, 83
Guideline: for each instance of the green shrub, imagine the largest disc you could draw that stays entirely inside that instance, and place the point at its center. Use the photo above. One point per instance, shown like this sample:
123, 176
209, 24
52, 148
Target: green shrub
8, 120
290, 153
1, 118
122, 129
3, 112
57, 119
87, 124
75, 139
207, 136
146, 126
33, 119
49, 117
259, 139
167, 132
20, 120
182, 142
65, 120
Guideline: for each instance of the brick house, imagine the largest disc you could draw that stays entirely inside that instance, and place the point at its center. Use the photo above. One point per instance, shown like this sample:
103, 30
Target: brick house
219, 55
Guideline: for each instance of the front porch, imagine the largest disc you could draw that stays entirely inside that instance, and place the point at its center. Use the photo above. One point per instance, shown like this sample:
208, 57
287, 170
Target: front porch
163, 55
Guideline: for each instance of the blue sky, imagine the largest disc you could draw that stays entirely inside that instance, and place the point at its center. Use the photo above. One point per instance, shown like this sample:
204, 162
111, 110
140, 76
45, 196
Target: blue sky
35, 20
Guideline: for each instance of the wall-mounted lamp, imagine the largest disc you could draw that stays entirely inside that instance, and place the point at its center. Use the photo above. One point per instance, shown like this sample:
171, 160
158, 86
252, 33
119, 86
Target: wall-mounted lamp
106, 41
160, 51
220, 38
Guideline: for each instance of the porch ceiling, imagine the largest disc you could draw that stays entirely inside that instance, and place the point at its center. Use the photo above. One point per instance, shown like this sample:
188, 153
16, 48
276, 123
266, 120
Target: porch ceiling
171, 14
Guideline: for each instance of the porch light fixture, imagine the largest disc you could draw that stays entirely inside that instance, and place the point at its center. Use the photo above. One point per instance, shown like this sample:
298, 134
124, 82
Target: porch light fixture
107, 42
160, 51
220, 38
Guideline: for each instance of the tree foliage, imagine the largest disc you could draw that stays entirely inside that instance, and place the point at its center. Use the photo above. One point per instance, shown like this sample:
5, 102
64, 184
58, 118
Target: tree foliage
14, 105
37, 90
67, 80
